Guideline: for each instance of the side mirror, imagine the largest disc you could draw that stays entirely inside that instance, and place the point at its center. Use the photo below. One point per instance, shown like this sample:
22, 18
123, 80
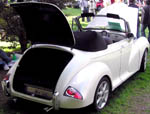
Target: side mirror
130, 35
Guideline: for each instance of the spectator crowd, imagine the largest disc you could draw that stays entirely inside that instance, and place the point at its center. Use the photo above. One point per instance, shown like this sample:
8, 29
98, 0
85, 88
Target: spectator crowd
89, 6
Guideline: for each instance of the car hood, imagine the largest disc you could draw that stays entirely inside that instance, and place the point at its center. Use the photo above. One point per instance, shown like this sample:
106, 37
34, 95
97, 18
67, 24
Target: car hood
45, 23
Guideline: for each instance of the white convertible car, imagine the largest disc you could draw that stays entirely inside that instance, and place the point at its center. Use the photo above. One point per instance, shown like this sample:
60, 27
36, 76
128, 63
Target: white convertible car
66, 69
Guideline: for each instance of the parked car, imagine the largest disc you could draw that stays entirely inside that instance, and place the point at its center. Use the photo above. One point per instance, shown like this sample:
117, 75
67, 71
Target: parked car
99, 5
66, 69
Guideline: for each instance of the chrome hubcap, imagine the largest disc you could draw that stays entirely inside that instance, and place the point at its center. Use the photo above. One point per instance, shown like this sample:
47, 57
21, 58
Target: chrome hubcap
102, 94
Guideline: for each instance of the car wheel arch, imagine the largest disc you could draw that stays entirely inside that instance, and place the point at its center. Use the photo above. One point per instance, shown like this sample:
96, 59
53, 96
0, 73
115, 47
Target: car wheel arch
110, 82
105, 77
141, 68
96, 85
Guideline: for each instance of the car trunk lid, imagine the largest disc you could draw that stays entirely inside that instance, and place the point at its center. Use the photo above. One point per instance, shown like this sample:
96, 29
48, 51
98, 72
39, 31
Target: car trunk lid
45, 23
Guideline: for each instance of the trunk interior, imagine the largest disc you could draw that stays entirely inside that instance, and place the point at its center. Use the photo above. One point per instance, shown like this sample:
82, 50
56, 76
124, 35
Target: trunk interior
39, 70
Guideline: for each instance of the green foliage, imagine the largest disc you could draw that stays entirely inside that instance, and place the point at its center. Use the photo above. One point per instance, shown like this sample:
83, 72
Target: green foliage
3, 23
10, 24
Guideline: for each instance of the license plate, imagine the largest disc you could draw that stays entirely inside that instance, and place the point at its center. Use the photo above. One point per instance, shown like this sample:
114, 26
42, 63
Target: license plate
38, 91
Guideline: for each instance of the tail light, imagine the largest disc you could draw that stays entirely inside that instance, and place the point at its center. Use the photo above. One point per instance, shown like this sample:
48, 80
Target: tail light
72, 92
6, 77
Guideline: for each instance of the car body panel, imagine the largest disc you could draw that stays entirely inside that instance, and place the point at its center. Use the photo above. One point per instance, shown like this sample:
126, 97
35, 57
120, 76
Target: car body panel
119, 61
84, 82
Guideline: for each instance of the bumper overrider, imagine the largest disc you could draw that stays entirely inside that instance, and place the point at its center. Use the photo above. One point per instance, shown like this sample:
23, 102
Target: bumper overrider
55, 103
5, 87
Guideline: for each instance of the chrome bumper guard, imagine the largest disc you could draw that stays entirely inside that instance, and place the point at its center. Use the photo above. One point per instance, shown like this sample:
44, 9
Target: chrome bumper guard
55, 103
5, 87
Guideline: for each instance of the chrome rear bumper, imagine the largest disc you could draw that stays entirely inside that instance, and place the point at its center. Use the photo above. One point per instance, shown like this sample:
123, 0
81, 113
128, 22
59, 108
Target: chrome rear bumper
55, 101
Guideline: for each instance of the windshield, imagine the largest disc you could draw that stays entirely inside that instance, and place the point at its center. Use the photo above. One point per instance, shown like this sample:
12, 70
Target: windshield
104, 23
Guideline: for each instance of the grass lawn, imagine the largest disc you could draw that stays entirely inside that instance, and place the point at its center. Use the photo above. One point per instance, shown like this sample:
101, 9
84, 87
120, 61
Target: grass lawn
72, 11
121, 100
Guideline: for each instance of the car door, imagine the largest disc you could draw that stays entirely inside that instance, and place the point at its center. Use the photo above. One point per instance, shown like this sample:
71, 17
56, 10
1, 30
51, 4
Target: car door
126, 46
112, 58
114, 62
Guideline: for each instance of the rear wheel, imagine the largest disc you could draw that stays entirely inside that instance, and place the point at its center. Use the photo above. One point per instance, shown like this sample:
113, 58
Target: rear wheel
102, 94
144, 61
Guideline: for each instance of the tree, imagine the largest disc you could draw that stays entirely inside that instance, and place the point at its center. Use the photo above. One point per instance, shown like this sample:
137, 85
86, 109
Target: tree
12, 26
59, 3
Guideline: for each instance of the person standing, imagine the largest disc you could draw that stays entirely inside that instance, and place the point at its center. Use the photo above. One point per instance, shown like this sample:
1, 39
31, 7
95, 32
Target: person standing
92, 6
132, 3
5, 1
5, 60
145, 19
84, 8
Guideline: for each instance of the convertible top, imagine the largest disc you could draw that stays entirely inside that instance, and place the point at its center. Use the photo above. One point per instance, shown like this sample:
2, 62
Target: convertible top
89, 41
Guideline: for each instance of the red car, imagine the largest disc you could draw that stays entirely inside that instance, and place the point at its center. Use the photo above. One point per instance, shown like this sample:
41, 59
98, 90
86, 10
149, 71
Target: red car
99, 5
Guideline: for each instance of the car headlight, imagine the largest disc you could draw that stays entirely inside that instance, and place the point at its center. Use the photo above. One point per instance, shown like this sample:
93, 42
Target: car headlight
72, 92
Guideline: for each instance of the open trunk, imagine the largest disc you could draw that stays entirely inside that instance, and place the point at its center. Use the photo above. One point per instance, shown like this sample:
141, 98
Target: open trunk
39, 70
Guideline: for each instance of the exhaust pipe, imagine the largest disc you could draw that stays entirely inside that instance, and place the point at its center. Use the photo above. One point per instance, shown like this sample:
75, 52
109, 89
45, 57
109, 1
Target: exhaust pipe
47, 109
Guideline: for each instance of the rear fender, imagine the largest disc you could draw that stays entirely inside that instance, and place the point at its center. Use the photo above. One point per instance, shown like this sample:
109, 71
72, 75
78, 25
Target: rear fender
87, 79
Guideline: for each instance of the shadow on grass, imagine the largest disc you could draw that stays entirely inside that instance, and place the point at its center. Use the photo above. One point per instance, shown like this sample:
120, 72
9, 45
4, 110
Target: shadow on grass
27, 107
